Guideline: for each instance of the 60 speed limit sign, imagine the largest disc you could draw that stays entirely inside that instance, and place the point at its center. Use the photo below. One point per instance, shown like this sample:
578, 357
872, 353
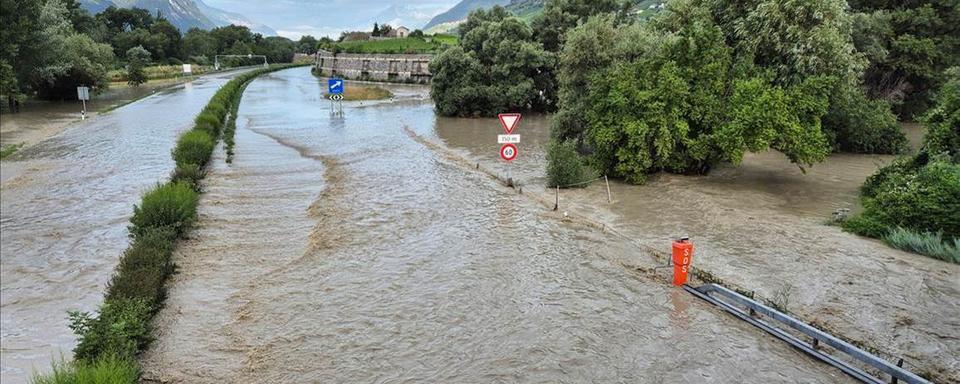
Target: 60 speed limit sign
508, 152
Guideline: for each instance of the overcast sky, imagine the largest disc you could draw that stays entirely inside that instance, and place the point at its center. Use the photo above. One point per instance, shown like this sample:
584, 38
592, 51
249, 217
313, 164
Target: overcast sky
293, 18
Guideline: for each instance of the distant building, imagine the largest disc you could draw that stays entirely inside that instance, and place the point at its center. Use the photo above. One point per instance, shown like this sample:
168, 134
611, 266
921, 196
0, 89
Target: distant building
398, 33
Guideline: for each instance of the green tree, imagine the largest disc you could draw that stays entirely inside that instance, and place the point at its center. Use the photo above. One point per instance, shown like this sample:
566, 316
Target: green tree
559, 16
137, 59
910, 44
65, 59
198, 43
125, 19
376, 30
18, 37
496, 67
307, 44
682, 93
230, 36
172, 41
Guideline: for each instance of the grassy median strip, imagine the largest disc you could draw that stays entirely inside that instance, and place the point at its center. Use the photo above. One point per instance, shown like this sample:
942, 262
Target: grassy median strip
110, 340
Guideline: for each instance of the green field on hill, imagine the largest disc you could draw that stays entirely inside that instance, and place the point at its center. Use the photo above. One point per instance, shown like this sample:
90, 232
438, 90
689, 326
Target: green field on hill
405, 45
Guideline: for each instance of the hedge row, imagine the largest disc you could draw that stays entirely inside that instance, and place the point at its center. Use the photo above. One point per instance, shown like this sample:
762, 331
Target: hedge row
109, 341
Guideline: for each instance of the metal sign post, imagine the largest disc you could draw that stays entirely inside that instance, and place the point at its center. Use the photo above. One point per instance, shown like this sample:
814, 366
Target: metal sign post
335, 89
83, 93
509, 151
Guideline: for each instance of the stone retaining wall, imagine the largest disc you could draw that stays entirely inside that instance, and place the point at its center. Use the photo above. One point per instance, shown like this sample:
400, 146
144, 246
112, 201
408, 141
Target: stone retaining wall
377, 67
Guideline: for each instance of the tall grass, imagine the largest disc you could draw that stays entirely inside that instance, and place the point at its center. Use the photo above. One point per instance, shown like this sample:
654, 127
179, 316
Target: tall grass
927, 243
108, 370
110, 339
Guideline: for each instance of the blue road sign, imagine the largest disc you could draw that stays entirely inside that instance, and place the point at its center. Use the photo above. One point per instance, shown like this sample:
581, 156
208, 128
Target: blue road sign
335, 86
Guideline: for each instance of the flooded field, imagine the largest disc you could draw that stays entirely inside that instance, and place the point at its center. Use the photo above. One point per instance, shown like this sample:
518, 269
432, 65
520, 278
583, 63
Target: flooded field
38, 120
340, 249
761, 226
64, 210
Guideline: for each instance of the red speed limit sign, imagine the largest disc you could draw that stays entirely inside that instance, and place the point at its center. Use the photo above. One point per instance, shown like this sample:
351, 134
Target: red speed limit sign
508, 152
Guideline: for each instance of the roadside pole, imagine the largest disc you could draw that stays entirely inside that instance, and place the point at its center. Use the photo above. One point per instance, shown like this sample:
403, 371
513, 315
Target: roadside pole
508, 149
335, 89
83, 93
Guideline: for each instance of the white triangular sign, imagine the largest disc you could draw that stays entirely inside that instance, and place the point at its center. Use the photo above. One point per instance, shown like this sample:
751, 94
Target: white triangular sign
509, 121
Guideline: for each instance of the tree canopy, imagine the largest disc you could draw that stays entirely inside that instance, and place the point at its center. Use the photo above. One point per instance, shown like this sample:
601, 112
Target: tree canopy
51, 46
909, 44
496, 67
703, 83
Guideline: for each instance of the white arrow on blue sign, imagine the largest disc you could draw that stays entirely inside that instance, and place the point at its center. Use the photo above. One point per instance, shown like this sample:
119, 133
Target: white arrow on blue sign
335, 86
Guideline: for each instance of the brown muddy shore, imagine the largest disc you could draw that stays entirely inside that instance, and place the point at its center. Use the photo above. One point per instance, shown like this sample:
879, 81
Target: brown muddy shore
343, 249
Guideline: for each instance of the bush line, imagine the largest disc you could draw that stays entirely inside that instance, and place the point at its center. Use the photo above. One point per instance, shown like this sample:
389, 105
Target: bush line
110, 340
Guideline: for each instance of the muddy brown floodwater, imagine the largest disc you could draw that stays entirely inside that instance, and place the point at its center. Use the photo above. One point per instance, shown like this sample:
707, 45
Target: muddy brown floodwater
344, 250
761, 226
64, 208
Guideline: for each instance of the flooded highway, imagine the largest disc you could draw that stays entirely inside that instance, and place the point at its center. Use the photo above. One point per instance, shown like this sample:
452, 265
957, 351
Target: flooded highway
64, 212
342, 249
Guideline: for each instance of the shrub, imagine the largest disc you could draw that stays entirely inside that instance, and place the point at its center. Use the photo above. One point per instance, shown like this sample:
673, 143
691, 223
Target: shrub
860, 125
168, 206
193, 148
924, 201
564, 165
144, 267
189, 173
209, 123
104, 370
927, 243
865, 226
121, 329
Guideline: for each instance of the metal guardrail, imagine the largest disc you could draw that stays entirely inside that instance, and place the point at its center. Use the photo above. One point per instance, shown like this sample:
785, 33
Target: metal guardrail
707, 292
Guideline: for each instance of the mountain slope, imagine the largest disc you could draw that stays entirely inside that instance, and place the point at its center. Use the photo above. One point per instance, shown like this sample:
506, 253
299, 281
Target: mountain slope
221, 18
461, 10
184, 14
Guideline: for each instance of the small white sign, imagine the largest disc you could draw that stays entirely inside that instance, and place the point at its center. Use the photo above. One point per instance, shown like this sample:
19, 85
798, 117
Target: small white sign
187, 68
83, 93
508, 139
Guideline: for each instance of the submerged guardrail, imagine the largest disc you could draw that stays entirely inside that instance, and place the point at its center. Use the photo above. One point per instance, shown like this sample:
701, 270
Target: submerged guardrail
748, 310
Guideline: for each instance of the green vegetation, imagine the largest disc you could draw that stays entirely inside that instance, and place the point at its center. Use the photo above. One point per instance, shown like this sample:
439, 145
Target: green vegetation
8, 150
914, 201
493, 45
559, 16
929, 244
365, 93
171, 206
108, 370
157, 72
137, 59
110, 340
909, 45
49, 47
392, 46
565, 168
445, 39
706, 81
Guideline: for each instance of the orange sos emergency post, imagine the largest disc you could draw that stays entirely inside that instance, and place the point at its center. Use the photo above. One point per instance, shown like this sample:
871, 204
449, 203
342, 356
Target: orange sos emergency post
682, 258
